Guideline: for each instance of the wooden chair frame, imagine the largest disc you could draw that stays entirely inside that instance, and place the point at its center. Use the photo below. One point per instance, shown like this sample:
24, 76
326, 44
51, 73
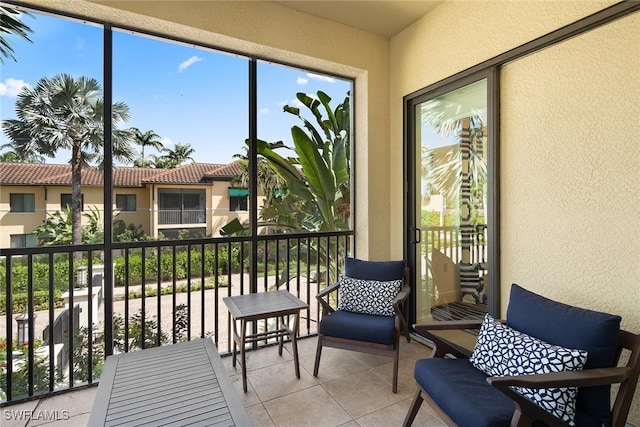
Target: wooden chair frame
401, 308
525, 411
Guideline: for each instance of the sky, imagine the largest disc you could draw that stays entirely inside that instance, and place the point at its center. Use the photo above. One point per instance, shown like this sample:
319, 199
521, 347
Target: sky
185, 94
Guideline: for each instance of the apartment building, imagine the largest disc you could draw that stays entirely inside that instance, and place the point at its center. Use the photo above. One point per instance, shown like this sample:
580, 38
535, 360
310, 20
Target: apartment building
196, 198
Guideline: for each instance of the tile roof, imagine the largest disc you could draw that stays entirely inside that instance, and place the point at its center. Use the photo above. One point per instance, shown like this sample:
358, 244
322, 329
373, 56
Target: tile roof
229, 171
46, 174
192, 173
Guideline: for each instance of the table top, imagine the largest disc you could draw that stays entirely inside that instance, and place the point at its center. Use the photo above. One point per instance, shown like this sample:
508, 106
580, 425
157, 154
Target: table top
264, 304
178, 384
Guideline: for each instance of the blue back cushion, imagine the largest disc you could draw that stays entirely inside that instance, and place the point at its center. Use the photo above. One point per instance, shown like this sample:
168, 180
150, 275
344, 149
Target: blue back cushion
571, 327
382, 271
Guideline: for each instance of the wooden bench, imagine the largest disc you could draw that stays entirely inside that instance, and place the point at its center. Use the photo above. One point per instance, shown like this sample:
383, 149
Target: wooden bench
179, 384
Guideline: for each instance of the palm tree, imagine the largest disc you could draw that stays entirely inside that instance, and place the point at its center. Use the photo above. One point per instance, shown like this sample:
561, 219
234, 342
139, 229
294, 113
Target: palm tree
68, 113
269, 181
11, 24
14, 156
175, 157
147, 139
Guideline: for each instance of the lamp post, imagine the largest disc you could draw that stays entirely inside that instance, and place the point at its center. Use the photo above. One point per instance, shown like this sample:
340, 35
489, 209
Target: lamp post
23, 326
82, 277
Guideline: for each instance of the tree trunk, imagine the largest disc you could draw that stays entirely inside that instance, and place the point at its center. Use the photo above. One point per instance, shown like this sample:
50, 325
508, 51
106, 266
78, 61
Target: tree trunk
76, 193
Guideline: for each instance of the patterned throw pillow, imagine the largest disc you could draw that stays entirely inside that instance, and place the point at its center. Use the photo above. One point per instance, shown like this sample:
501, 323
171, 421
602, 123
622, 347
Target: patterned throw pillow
502, 351
368, 296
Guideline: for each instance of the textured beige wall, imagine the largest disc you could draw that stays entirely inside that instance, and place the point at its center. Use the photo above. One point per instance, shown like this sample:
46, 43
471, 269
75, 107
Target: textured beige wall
570, 150
571, 173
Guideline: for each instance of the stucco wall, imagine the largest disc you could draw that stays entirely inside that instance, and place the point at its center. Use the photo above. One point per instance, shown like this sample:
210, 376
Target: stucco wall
18, 222
570, 151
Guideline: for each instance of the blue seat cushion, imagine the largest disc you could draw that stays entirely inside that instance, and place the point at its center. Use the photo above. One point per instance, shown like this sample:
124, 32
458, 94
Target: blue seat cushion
358, 326
462, 392
572, 327
373, 270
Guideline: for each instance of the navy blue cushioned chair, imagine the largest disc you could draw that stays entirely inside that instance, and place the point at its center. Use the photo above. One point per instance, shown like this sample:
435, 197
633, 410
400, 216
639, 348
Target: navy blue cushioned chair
375, 334
465, 396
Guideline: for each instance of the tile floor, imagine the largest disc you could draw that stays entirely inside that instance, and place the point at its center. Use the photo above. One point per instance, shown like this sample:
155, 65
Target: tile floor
352, 389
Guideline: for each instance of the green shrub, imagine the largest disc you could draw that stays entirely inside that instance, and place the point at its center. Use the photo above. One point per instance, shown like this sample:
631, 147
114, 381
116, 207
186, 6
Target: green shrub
40, 301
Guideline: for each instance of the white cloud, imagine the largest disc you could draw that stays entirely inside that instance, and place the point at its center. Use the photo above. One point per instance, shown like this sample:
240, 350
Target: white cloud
11, 87
188, 63
321, 77
282, 103
264, 111
302, 81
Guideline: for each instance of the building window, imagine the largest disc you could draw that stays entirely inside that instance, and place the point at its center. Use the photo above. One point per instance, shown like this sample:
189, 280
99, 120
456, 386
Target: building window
65, 201
181, 207
126, 202
22, 202
23, 240
238, 199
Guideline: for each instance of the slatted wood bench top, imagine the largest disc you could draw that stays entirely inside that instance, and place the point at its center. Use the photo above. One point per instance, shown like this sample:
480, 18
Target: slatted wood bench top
178, 384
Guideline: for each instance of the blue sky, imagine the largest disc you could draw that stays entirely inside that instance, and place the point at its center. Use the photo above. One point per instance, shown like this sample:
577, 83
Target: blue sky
184, 94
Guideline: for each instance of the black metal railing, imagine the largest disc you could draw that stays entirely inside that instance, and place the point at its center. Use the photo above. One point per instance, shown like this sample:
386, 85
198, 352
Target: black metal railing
163, 292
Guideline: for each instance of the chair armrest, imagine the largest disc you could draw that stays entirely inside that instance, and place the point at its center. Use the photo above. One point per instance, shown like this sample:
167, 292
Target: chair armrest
326, 291
401, 297
401, 308
584, 378
443, 347
322, 298
528, 410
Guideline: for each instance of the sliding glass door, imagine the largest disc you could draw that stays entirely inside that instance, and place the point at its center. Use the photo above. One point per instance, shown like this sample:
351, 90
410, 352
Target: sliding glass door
449, 163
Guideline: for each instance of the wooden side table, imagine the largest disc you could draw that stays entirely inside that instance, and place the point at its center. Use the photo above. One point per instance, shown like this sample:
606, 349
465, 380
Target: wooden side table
260, 306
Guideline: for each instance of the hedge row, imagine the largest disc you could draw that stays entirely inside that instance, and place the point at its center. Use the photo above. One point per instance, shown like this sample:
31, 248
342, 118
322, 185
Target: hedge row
40, 301
226, 262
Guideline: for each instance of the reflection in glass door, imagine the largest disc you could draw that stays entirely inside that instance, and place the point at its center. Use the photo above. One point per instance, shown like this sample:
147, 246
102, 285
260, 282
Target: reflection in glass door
451, 204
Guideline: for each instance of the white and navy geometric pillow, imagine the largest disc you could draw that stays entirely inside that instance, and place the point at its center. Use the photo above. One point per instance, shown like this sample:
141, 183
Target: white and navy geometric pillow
368, 296
503, 351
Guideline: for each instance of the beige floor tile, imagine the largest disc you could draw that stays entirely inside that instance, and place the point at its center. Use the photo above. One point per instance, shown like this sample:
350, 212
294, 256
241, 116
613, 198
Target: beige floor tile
278, 380
414, 350
306, 346
259, 417
334, 363
310, 407
394, 416
77, 420
66, 407
249, 398
362, 393
406, 382
269, 356
370, 360
18, 414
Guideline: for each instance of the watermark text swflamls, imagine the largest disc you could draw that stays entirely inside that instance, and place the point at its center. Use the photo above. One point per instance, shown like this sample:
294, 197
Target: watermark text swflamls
35, 415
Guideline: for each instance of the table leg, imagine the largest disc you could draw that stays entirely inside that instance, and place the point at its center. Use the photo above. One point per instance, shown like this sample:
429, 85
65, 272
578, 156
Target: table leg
280, 324
242, 354
235, 336
294, 343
